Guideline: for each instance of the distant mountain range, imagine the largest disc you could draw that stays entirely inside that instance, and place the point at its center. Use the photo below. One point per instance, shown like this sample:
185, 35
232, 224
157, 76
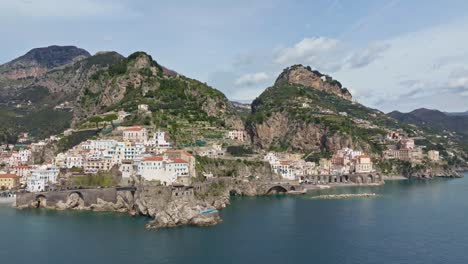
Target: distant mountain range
457, 113
456, 122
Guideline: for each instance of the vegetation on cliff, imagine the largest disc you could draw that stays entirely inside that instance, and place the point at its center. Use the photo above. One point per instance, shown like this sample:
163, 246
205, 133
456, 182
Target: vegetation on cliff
284, 112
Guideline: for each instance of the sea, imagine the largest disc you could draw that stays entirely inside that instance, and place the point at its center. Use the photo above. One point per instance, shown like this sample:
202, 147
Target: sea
409, 221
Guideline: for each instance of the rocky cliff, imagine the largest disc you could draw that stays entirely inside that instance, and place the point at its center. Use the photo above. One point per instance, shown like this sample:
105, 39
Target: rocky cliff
305, 76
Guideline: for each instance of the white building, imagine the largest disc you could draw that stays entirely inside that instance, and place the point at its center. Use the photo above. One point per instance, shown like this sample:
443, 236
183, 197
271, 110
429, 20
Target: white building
363, 164
285, 169
213, 151
143, 108
126, 168
24, 155
73, 161
159, 140
162, 169
42, 177
236, 135
23, 172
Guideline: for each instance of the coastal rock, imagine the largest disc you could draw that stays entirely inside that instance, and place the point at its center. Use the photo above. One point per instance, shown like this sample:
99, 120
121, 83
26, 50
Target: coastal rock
103, 206
183, 213
74, 201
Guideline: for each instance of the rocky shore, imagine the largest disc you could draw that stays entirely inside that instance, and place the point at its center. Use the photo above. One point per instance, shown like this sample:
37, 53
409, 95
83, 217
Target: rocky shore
168, 206
433, 172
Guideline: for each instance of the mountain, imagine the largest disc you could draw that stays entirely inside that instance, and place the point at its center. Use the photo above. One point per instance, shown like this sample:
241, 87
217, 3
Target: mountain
434, 119
308, 111
107, 81
38, 61
457, 113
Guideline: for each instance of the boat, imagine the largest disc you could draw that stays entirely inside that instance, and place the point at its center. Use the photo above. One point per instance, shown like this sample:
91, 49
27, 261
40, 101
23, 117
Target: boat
208, 211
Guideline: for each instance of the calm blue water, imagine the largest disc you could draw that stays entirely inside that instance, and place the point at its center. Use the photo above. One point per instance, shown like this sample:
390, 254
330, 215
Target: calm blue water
413, 222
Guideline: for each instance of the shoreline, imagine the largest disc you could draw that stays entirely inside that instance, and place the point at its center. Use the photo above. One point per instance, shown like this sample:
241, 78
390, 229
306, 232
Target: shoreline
183, 210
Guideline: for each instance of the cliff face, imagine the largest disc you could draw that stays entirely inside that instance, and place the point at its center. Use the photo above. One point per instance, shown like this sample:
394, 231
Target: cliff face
242, 169
307, 111
282, 132
305, 76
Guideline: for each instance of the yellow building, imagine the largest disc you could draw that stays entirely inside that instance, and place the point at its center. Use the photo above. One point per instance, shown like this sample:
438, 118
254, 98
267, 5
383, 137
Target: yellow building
8, 181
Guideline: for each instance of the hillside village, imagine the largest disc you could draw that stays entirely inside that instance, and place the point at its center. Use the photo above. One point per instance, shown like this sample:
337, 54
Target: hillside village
127, 120
134, 154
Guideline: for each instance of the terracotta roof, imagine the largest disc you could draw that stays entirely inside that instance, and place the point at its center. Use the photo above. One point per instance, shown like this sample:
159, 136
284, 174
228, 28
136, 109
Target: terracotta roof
153, 159
22, 167
8, 176
135, 128
179, 160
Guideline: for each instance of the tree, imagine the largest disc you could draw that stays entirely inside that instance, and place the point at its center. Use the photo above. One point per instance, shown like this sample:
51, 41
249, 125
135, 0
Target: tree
96, 119
110, 118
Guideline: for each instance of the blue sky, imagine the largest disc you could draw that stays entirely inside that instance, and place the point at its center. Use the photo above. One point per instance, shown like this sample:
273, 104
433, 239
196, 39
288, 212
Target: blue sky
391, 54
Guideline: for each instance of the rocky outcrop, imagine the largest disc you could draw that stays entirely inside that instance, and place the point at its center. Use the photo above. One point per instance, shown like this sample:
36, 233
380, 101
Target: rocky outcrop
305, 76
279, 128
38, 61
183, 212
434, 171
244, 169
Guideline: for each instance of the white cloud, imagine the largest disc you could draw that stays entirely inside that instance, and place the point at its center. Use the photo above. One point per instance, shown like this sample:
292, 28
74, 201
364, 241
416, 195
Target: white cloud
308, 50
461, 82
368, 55
251, 79
413, 56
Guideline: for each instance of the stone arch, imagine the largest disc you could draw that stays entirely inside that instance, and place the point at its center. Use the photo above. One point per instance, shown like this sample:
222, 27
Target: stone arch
40, 201
277, 189
359, 179
370, 178
292, 188
377, 178
77, 193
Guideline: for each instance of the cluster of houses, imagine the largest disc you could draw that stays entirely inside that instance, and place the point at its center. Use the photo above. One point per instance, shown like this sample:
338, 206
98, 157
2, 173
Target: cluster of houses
343, 162
403, 148
134, 153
